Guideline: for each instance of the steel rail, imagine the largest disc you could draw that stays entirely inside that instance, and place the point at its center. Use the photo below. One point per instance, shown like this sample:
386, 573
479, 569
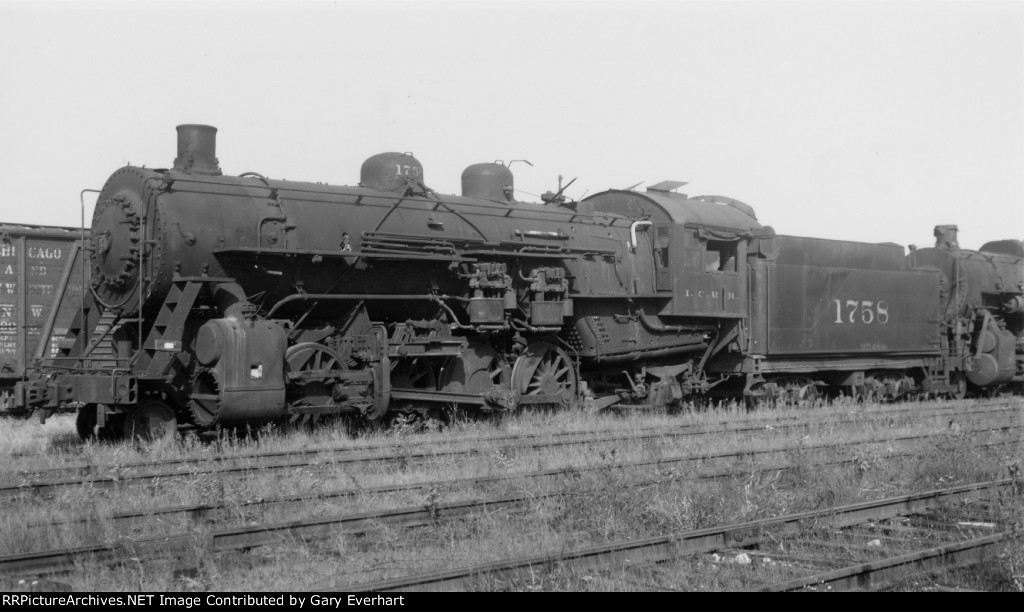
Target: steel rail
864, 576
340, 457
196, 511
941, 411
137, 479
121, 479
38, 487
342, 450
662, 548
235, 538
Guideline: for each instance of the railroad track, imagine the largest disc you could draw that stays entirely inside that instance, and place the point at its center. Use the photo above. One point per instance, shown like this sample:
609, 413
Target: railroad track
617, 555
198, 511
228, 539
984, 407
963, 543
342, 457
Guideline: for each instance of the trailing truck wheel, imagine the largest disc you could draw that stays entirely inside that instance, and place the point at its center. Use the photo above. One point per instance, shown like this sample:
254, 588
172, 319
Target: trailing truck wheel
545, 369
85, 422
151, 421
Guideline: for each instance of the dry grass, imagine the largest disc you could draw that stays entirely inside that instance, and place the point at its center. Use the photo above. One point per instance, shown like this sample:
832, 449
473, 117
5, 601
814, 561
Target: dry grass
600, 501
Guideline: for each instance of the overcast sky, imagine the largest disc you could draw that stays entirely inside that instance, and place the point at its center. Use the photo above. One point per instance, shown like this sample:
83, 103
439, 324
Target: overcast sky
868, 121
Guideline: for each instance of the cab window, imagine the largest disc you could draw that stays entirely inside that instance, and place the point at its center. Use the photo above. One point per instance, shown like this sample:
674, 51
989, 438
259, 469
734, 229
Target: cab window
720, 256
661, 247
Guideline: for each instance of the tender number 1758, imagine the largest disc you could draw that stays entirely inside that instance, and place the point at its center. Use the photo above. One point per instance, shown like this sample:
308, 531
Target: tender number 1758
863, 311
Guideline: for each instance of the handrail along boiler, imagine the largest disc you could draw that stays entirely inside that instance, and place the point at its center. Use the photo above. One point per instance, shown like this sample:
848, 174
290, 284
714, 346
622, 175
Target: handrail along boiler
242, 299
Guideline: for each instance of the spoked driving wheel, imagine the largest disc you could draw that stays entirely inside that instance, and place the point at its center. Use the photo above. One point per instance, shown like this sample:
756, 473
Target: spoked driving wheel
312, 371
545, 369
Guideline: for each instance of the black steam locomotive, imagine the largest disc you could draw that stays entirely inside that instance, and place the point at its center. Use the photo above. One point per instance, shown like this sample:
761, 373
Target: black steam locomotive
244, 299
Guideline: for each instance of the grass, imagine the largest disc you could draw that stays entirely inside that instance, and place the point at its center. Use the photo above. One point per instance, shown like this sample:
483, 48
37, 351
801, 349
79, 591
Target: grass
599, 504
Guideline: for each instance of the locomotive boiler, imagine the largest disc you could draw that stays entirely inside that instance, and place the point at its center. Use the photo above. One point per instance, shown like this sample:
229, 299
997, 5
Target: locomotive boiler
241, 299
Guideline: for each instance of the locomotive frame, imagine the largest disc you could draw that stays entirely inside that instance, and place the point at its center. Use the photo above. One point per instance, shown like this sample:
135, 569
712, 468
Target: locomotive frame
244, 299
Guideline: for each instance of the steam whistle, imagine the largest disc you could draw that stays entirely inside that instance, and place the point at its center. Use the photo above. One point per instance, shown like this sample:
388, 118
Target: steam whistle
557, 198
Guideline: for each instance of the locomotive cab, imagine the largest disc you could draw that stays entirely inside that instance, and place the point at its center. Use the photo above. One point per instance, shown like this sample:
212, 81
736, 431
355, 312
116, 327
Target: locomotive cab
699, 246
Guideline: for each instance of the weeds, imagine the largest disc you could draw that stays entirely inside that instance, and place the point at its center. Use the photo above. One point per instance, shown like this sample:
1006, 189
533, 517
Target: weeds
1009, 511
603, 500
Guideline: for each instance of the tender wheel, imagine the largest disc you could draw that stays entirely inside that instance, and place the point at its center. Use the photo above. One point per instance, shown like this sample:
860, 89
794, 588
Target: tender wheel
808, 396
759, 399
868, 393
545, 369
85, 422
891, 386
315, 390
475, 371
797, 391
151, 421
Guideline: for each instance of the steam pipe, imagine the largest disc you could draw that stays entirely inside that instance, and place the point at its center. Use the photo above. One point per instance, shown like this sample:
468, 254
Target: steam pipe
657, 328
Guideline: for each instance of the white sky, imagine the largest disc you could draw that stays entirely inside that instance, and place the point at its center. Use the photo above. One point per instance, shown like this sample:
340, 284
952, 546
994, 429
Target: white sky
870, 121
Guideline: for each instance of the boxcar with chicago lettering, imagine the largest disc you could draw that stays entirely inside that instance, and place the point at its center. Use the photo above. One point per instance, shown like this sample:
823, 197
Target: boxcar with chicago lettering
35, 266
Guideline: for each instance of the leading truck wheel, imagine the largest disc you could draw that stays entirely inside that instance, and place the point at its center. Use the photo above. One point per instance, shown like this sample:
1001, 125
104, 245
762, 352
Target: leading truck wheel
151, 421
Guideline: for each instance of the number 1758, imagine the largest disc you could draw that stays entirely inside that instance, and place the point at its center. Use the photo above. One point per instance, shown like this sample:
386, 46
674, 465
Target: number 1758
863, 311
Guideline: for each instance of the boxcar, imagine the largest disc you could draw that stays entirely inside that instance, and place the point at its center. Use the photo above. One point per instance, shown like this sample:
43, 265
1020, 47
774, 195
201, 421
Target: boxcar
34, 262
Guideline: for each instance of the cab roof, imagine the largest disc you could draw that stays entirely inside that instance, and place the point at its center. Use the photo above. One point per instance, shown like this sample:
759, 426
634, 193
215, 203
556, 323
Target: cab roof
665, 206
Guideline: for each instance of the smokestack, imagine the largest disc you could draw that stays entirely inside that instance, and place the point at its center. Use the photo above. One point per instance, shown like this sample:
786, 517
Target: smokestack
197, 149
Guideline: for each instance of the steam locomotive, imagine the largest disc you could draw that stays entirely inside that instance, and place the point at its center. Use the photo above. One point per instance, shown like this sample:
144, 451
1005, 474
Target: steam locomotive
241, 299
